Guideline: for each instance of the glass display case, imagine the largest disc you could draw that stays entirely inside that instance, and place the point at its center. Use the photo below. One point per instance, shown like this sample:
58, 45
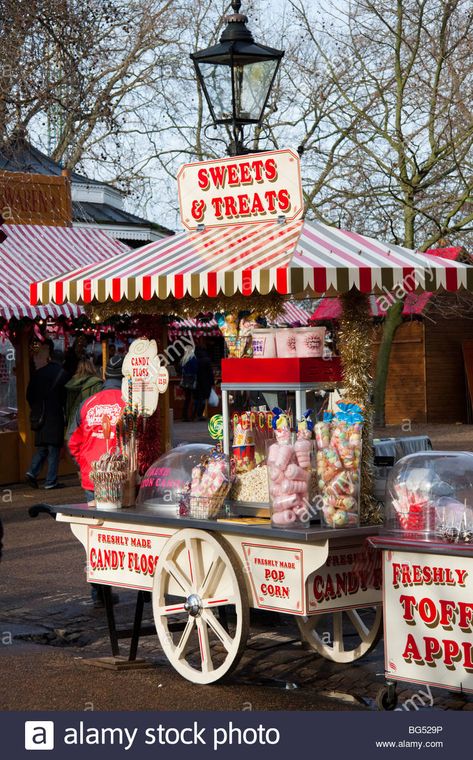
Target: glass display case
430, 497
251, 388
164, 481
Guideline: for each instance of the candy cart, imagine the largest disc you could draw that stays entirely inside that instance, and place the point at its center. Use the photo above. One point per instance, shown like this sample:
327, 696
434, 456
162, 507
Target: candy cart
207, 557
427, 549
204, 575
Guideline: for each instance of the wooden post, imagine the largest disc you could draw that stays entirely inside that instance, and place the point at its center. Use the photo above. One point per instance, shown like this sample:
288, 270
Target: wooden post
25, 435
164, 406
104, 356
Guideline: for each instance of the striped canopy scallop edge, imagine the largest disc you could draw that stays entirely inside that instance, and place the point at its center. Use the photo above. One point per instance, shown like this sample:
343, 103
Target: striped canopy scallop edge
291, 259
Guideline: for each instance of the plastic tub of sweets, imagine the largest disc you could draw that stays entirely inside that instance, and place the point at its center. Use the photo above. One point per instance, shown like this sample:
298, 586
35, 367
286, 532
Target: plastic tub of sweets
310, 342
286, 343
264, 344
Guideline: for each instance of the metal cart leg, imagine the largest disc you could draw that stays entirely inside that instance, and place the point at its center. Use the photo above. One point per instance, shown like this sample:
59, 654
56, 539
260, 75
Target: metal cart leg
135, 635
300, 404
112, 628
386, 698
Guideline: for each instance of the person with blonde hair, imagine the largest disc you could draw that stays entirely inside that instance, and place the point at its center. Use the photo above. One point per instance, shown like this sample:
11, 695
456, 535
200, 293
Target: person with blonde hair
83, 384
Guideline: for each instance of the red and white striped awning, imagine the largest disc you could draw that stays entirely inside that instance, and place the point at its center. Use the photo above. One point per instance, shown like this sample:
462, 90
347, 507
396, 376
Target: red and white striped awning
414, 303
295, 258
36, 251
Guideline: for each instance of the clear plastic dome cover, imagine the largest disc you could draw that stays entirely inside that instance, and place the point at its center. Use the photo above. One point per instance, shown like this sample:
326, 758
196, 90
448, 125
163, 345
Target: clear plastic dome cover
430, 497
169, 474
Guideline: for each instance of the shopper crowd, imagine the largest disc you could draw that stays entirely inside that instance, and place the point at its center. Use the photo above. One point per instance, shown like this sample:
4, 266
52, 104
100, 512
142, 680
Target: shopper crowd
56, 393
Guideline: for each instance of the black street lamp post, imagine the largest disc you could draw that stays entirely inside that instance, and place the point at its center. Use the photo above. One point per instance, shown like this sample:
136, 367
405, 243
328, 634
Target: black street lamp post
236, 77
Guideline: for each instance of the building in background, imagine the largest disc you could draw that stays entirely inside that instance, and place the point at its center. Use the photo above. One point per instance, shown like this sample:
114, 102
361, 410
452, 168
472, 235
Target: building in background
93, 204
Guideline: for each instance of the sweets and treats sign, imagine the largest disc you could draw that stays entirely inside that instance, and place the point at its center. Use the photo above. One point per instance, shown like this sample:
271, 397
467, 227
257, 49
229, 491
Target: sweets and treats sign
259, 187
429, 619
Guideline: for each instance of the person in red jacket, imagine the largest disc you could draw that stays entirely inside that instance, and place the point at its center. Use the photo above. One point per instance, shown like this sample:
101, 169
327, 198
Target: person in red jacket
87, 441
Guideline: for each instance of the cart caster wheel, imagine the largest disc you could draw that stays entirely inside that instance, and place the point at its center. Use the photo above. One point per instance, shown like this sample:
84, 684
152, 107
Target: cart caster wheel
386, 698
199, 581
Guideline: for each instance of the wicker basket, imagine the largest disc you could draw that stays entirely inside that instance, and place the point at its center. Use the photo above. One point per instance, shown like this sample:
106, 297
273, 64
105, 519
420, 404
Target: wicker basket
201, 507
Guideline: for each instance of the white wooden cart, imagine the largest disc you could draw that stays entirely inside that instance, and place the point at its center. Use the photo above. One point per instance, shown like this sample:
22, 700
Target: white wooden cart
428, 616
205, 576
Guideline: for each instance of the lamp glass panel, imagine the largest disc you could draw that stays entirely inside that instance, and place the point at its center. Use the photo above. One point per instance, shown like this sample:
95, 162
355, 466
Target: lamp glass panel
252, 84
218, 84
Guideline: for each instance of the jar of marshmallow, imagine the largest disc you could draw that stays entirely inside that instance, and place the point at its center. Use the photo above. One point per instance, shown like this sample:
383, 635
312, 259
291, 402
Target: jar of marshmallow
289, 460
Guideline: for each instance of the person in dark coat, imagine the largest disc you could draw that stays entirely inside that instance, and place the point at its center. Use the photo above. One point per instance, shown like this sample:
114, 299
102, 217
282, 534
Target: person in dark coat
74, 354
205, 381
46, 397
189, 383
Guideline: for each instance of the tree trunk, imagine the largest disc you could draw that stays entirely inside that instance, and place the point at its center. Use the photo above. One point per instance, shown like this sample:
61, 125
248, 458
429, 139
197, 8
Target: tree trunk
356, 345
392, 322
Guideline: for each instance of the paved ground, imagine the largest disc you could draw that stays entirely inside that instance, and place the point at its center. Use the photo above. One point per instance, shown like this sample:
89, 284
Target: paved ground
48, 628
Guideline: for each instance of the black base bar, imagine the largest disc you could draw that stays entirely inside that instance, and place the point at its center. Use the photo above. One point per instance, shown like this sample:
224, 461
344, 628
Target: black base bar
134, 633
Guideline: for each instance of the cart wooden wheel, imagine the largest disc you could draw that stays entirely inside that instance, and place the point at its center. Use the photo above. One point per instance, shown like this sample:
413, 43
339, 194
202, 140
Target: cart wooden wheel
343, 636
197, 577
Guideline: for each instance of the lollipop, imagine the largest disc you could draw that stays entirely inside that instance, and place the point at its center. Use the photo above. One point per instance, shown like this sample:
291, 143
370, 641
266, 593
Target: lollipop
106, 427
216, 427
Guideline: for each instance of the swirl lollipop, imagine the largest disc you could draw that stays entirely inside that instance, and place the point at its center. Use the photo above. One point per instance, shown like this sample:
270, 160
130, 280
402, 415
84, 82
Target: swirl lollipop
216, 427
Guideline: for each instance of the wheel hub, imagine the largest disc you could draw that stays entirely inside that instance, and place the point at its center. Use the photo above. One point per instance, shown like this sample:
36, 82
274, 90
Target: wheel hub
193, 605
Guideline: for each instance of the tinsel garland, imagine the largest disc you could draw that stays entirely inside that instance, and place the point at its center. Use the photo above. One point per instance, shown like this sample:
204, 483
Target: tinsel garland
150, 445
270, 305
355, 343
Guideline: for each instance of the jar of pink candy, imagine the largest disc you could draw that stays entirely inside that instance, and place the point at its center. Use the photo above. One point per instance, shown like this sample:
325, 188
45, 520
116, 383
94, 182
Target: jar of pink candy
289, 461
210, 484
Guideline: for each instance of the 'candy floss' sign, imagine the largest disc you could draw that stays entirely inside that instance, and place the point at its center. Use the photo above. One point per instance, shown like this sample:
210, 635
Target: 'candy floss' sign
125, 558
259, 187
429, 619
143, 376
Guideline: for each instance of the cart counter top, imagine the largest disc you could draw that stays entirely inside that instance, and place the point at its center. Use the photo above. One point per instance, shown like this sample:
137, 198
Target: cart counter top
393, 543
150, 516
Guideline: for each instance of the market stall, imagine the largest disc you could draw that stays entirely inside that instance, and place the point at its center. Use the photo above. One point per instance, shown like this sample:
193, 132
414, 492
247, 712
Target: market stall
189, 539
33, 250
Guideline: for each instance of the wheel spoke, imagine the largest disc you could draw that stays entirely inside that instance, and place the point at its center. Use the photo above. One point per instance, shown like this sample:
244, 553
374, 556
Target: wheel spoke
218, 601
338, 632
194, 553
204, 643
212, 579
173, 609
358, 624
181, 579
218, 629
184, 640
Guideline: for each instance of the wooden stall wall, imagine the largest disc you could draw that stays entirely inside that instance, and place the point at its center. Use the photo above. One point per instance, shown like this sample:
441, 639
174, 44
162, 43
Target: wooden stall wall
406, 389
445, 373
